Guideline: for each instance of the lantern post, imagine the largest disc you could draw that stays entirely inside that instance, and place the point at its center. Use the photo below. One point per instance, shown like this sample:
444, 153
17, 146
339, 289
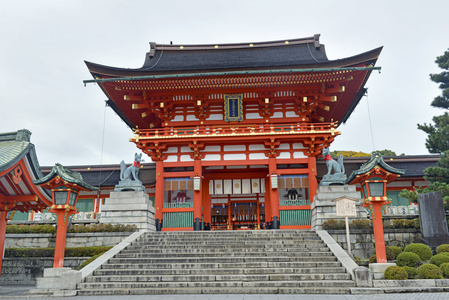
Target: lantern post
373, 177
65, 186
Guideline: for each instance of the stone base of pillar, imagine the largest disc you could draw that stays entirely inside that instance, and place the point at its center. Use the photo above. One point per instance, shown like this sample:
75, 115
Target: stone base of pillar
129, 208
57, 282
324, 208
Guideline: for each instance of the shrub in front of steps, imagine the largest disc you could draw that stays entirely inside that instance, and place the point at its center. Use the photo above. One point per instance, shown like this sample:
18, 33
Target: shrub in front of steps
443, 248
333, 224
361, 224
30, 229
423, 251
389, 253
88, 261
439, 259
49, 252
409, 259
444, 267
102, 228
396, 250
412, 273
395, 273
405, 223
429, 271
36, 229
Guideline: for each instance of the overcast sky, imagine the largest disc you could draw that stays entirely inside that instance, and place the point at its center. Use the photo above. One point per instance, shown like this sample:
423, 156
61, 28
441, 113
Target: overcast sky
44, 44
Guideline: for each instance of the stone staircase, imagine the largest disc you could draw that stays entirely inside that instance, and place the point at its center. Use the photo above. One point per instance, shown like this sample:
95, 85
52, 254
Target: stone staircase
222, 262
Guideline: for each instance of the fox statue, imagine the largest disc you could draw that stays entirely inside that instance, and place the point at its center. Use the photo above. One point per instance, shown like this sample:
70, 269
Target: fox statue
331, 164
126, 173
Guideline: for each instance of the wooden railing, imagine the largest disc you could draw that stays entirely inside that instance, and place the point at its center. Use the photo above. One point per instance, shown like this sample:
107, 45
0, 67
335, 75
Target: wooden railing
295, 217
294, 202
232, 130
178, 205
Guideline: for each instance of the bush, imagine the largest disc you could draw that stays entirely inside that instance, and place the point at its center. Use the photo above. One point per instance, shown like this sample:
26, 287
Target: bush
389, 253
409, 259
405, 223
30, 229
23, 229
396, 250
372, 259
88, 261
333, 224
439, 259
102, 228
429, 271
443, 248
424, 251
411, 272
361, 224
445, 269
50, 252
395, 273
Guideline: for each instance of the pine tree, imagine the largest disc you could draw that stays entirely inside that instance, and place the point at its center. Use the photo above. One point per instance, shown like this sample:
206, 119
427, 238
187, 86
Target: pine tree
438, 133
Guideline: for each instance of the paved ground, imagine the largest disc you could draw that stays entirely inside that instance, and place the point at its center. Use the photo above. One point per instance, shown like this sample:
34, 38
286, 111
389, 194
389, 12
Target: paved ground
18, 292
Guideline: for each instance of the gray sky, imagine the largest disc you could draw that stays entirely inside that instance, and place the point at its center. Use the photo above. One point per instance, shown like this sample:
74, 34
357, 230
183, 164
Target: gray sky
44, 43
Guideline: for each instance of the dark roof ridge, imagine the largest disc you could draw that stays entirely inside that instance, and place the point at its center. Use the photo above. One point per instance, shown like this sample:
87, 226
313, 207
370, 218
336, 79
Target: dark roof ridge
170, 47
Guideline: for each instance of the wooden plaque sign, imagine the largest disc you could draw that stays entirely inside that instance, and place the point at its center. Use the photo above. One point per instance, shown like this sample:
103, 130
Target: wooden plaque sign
346, 207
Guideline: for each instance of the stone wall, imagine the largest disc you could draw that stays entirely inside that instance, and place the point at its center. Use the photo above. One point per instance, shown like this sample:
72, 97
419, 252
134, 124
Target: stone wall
73, 239
362, 240
25, 270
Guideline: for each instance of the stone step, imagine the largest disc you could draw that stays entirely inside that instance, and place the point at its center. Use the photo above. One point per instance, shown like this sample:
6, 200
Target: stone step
217, 255
216, 291
187, 245
233, 284
257, 264
130, 261
219, 278
225, 250
222, 271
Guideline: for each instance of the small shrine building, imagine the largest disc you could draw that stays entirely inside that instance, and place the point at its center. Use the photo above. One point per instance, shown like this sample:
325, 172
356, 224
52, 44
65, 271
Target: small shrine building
235, 129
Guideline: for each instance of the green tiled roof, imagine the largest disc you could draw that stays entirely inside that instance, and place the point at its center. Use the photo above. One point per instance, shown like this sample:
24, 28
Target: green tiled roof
376, 159
66, 174
14, 146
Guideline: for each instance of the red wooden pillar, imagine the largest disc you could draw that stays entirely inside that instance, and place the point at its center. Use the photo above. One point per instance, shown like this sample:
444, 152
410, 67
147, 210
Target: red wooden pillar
207, 210
267, 204
313, 183
197, 197
61, 234
378, 228
159, 194
3, 221
274, 195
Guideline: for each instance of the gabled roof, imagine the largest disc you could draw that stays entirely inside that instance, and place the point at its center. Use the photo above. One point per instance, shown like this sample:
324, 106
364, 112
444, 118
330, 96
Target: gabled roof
375, 160
67, 175
18, 168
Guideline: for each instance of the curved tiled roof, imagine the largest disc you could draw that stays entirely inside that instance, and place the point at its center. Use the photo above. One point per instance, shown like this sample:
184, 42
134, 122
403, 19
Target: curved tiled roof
296, 53
67, 175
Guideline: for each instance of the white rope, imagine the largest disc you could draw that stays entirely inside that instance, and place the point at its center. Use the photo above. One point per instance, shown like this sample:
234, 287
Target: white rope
369, 119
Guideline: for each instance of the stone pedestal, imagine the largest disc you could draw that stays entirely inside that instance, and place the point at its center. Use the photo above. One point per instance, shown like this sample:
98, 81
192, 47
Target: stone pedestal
378, 270
129, 208
324, 208
58, 282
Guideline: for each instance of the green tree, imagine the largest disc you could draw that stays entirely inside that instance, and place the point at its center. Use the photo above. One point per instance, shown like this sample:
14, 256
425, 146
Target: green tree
439, 176
438, 133
386, 152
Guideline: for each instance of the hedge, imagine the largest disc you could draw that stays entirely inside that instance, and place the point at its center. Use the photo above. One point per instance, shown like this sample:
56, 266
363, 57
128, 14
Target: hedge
23, 229
429, 271
395, 273
49, 252
409, 259
424, 251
